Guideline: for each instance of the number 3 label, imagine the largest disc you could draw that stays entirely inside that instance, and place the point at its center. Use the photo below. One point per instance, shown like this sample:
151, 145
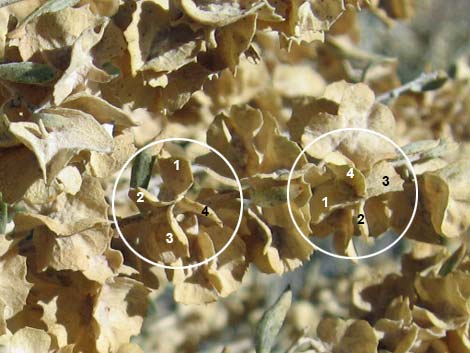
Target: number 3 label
386, 181
169, 238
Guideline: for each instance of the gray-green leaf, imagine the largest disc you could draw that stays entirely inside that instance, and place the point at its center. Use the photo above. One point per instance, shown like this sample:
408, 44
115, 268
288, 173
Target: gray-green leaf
142, 169
452, 262
48, 7
271, 323
26, 72
4, 3
3, 215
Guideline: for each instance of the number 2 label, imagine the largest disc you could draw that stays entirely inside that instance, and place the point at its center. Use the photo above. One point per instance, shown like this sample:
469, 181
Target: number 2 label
360, 218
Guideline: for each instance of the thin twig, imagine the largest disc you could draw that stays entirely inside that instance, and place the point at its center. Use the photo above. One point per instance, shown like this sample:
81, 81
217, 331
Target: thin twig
400, 162
381, 15
132, 219
241, 345
295, 343
307, 342
4, 3
351, 52
443, 148
415, 85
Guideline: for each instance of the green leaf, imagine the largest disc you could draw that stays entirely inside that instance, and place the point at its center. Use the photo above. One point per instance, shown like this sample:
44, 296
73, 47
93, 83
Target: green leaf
271, 323
26, 72
112, 69
428, 149
142, 170
452, 262
435, 84
3, 215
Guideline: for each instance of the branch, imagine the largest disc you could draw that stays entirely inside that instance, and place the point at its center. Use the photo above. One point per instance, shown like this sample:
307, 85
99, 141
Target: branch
132, 219
416, 151
4, 3
309, 342
417, 85
303, 340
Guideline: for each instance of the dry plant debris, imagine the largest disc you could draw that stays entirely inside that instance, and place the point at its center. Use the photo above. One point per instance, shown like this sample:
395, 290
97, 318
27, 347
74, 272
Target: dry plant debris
85, 83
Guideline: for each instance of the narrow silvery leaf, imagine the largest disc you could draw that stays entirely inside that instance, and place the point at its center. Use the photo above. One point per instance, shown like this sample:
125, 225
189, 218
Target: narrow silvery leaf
26, 72
452, 262
4, 3
142, 170
271, 323
3, 215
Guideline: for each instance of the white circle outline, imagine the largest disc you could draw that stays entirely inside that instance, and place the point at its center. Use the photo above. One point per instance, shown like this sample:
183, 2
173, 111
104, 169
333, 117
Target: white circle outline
410, 167
113, 210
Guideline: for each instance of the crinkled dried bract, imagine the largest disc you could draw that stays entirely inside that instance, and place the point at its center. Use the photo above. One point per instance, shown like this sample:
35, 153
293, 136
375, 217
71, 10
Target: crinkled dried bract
14, 287
27, 340
60, 134
345, 105
69, 214
119, 311
54, 31
250, 141
448, 199
76, 79
194, 236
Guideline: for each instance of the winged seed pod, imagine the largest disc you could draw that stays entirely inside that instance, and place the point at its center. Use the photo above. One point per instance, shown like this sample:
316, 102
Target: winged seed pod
84, 84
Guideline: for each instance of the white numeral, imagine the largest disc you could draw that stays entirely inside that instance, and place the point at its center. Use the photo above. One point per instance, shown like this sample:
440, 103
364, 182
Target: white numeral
140, 196
325, 201
169, 238
177, 164
350, 173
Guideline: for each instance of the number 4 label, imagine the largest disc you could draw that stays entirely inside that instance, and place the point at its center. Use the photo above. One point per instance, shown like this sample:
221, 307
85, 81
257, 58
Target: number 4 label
350, 173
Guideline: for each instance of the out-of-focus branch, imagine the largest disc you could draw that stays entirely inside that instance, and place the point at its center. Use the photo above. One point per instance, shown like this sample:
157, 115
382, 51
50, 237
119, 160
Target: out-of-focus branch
242, 345
309, 342
417, 85
304, 341
4, 3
